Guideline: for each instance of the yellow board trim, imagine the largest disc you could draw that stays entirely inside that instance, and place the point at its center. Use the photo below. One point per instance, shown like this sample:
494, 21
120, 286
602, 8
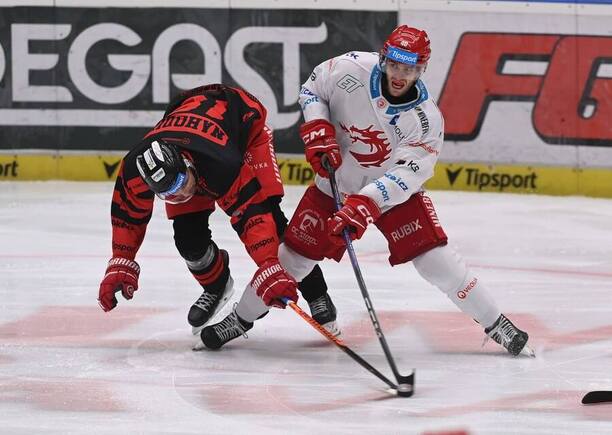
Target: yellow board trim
544, 180
475, 177
75, 167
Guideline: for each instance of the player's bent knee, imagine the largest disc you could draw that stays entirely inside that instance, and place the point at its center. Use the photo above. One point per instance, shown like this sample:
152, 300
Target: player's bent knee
195, 250
192, 237
200, 260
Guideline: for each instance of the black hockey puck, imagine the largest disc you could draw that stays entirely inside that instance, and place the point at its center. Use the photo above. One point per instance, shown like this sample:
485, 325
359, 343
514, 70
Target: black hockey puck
405, 390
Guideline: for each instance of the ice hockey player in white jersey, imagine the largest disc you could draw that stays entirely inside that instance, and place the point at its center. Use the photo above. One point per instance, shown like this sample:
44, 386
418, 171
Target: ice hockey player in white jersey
371, 116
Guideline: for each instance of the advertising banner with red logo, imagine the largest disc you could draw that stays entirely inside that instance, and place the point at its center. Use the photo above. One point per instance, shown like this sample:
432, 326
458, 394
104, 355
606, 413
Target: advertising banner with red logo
526, 93
525, 86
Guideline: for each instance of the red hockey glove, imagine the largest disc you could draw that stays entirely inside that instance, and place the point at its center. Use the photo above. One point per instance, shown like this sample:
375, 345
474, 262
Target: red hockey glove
121, 275
357, 213
320, 139
272, 282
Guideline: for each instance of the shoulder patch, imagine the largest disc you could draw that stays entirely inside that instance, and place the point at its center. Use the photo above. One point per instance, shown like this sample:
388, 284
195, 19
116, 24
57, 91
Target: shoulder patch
349, 83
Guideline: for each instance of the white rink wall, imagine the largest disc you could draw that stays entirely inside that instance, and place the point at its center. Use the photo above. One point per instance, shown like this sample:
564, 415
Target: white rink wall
525, 87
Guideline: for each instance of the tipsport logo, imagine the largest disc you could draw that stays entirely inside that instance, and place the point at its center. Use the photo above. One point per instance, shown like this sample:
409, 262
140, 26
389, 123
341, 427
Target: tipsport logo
296, 172
499, 181
402, 56
9, 169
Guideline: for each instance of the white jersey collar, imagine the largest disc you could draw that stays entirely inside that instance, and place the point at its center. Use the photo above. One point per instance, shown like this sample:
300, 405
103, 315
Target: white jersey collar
392, 109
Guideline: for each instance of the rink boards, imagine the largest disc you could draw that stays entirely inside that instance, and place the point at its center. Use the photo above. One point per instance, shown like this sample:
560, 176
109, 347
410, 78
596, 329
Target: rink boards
525, 87
465, 176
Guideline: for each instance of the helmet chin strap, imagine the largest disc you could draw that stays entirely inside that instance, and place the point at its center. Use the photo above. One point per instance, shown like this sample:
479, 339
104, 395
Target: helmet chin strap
189, 165
178, 201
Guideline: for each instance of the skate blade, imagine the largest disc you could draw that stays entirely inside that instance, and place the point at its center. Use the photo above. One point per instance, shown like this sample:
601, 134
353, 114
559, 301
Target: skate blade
195, 330
333, 328
527, 351
198, 347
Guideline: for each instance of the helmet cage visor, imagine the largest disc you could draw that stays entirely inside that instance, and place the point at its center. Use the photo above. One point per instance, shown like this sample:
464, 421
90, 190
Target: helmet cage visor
401, 70
402, 64
174, 194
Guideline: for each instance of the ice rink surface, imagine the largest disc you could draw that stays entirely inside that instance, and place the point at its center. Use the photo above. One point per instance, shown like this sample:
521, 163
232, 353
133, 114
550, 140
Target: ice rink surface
67, 367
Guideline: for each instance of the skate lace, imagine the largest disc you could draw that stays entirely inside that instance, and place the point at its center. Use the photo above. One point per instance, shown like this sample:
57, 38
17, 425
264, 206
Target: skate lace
206, 300
230, 328
318, 306
503, 333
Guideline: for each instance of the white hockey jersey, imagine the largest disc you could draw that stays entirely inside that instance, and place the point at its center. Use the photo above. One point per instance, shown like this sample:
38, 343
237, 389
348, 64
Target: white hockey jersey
388, 151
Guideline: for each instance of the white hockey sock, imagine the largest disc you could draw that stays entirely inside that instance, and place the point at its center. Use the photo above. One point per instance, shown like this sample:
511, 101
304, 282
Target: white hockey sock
250, 307
443, 268
297, 265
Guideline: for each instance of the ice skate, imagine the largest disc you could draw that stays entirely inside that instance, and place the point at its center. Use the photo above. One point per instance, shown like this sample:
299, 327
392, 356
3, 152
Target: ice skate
323, 311
504, 333
207, 305
216, 335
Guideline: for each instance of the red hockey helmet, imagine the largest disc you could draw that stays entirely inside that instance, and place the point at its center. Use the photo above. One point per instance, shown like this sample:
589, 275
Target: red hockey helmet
406, 45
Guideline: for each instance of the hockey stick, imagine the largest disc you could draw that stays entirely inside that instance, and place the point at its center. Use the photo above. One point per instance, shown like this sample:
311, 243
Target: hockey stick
405, 386
363, 363
593, 397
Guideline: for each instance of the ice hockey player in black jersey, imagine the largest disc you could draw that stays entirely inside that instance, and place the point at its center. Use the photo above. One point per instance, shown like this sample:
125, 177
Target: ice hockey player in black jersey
212, 147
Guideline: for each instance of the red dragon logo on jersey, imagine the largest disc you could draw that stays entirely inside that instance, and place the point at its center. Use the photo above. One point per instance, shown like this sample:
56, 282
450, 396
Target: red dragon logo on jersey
380, 150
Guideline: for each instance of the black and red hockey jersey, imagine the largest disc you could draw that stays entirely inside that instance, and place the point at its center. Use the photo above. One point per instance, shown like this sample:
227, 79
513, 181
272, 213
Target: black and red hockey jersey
222, 130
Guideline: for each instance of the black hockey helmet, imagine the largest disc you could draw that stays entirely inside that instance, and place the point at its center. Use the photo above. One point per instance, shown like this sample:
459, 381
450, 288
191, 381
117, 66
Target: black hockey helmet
163, 168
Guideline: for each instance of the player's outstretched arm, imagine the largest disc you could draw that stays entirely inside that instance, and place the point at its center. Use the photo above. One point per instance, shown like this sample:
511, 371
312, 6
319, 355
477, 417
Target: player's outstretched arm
131, 211
252, 217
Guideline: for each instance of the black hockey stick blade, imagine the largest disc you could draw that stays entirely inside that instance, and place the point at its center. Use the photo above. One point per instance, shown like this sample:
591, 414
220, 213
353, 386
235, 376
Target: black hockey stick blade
593, 397
405, 385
